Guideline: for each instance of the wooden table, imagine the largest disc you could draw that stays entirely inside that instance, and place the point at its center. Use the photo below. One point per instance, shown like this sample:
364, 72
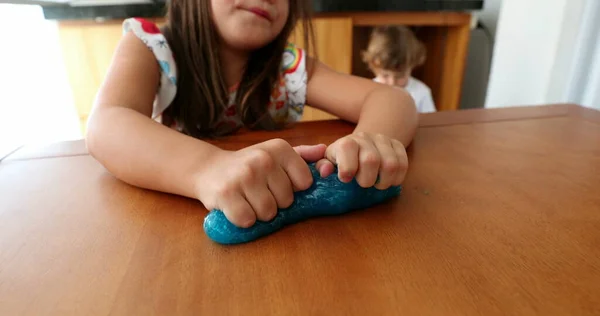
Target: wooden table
500, 215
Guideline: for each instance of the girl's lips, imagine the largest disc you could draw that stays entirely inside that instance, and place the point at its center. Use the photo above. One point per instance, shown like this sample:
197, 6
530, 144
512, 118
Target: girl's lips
260, 12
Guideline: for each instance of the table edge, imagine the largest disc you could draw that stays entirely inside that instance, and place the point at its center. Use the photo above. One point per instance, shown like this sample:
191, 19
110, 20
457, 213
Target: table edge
491, 115
17, 155
10, 152
426, 120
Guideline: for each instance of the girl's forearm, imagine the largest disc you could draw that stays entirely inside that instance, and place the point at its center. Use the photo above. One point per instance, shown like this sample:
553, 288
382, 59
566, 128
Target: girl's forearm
144, 153
391, 112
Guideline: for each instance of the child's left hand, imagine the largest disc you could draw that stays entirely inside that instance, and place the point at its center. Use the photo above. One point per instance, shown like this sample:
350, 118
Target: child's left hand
366, 156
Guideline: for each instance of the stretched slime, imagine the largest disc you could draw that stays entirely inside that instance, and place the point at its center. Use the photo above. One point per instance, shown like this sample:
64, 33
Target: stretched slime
326, 196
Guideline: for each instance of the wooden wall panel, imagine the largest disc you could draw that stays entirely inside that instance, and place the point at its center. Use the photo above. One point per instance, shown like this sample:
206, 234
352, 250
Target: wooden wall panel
432, 71
87, 50
333, 41
455, 59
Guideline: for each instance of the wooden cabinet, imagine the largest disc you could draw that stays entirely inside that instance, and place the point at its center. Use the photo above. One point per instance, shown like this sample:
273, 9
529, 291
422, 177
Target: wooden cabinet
333, 43
446, 37
88, 48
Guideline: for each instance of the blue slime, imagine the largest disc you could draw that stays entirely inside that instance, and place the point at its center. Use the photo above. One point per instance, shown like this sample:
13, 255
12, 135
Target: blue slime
326, 196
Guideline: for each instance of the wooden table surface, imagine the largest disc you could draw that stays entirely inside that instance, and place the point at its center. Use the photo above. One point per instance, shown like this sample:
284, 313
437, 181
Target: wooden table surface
500, 215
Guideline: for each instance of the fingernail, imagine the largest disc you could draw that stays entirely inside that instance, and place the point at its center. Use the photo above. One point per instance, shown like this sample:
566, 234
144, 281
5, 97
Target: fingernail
345, 178
322, 174
272, 215
248, 223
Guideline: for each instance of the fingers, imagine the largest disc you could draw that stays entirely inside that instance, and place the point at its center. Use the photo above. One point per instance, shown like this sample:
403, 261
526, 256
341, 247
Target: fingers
258, 200
237, 210
369, 161
262, 201
281, 188
402, 160
390, 164
316, 153
311, 153
344, 153
294, 166
374, 160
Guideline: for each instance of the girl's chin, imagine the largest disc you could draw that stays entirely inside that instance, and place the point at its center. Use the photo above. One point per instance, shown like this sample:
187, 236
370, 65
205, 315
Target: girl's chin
247, 44
249, 39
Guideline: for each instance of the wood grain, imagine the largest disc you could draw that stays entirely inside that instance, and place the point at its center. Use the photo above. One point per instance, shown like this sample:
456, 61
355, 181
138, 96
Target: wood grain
496, 218
431, 72
407, 18
484, 115
588, 114
333, 42
446, 57
455, 58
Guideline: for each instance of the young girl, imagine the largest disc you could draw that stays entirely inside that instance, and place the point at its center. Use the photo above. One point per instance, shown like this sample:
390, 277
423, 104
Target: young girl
393, 52
219, 65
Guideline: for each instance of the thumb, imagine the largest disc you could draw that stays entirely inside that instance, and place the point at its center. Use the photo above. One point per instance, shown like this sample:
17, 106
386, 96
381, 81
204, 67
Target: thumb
311, 153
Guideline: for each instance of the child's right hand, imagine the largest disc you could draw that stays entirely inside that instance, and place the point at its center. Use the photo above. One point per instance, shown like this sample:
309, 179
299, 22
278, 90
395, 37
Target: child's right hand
251, 183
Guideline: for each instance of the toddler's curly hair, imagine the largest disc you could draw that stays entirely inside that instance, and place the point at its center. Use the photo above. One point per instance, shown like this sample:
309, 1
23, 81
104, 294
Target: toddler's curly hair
394, 47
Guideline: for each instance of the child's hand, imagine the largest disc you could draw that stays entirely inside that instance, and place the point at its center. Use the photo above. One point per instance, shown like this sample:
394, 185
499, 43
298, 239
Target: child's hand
252, 183
366, 156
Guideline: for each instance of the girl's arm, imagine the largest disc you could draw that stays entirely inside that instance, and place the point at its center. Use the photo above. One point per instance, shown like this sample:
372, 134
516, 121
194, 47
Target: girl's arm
126, 141
246, 184
376, 108
386, 119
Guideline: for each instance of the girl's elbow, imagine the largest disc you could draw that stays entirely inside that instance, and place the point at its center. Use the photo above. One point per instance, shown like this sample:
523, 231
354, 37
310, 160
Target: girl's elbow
91, 140
409, 112
406, 101
93, 133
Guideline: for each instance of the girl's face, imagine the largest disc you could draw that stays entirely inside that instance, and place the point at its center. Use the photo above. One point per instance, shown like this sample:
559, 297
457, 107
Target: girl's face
249, 24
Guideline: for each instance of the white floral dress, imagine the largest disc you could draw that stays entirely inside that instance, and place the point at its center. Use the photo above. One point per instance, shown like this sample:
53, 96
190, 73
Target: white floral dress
287, 99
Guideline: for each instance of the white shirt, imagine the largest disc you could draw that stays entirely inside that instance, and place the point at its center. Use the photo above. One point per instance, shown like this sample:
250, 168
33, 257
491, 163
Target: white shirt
421, 93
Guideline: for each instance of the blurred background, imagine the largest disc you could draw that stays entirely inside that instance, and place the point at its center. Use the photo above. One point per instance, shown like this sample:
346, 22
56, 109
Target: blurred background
481, 53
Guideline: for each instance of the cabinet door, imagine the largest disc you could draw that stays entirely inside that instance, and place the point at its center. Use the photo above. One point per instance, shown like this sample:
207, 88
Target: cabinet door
333, 43
87, 49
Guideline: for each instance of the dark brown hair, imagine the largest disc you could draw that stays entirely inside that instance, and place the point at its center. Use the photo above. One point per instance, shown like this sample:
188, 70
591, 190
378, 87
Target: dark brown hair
394, 47
202, 94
